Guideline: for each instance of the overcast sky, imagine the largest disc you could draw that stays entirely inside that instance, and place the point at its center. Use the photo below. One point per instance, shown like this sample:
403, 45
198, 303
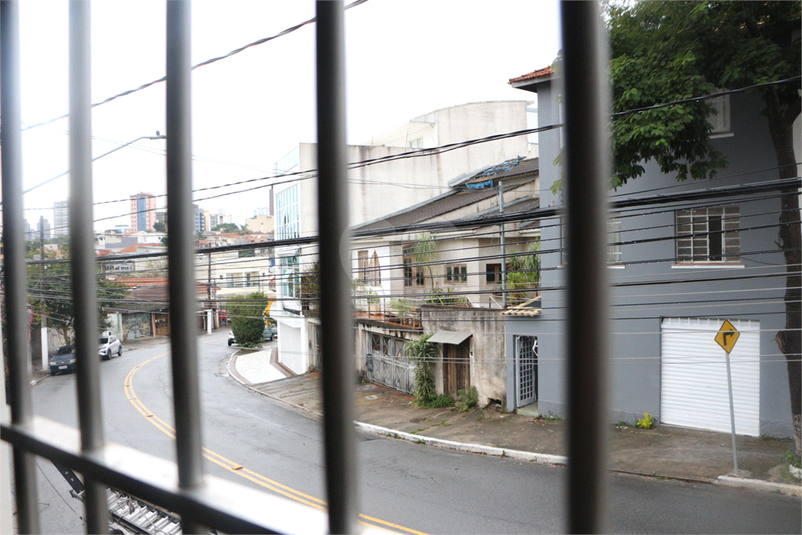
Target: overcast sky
404, 58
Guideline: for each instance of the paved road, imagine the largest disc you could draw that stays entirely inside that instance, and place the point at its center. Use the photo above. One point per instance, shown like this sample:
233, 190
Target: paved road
418, 489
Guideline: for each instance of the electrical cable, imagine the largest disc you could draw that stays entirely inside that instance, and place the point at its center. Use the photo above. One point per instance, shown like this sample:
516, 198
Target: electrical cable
198, 65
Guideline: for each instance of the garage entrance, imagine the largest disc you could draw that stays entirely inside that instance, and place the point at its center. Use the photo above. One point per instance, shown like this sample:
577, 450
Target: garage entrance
694, 376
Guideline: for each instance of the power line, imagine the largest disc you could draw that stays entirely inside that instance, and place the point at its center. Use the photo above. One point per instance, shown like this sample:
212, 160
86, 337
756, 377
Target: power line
234, 52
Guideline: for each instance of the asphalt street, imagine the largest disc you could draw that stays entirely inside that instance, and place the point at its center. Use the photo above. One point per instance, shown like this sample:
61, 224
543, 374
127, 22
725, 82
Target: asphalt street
404, 487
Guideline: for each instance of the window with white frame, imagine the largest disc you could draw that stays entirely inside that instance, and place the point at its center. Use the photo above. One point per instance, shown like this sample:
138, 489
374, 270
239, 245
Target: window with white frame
614, 249
288, 213
720, 117
709, 234
614, 241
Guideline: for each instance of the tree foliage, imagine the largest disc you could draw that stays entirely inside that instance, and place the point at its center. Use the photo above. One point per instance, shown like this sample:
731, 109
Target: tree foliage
227, 227
247, 321
669, 51
50, 296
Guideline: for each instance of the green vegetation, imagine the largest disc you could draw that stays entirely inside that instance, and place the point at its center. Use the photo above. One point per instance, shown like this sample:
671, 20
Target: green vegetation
668, 51
647, 422
422, 352
45, 285
247, 321
467, 399
523, 273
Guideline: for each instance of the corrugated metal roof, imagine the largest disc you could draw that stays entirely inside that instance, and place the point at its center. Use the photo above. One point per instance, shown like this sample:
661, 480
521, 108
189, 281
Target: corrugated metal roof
449, 337
438, 206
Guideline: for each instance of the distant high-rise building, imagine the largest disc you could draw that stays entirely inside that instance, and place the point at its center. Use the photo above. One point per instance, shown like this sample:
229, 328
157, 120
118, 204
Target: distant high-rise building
143, 211
28, 232
200, 220
161, 216
61, 221
43, 229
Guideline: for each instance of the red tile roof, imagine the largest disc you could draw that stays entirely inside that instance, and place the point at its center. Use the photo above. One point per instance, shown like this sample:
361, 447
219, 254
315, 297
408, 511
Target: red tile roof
545, 72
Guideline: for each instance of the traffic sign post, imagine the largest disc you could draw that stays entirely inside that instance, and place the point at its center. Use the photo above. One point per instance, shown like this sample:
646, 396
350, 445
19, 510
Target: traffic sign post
726, 337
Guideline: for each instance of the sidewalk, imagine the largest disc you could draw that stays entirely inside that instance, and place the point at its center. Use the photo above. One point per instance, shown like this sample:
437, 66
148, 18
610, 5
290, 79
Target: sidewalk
663, 452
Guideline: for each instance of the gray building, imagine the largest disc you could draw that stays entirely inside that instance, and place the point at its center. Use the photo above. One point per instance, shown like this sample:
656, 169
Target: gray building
43, 229
686, 256
61, 220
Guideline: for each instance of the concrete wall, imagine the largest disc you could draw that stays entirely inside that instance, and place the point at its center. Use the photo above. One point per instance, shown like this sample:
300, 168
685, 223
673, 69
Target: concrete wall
487, 365
638, 308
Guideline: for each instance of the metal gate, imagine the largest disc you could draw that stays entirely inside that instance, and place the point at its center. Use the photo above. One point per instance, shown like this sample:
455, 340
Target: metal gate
525, 370
386, 364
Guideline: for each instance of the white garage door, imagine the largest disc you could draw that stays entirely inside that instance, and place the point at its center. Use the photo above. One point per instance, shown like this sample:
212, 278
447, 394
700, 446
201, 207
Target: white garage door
694, 376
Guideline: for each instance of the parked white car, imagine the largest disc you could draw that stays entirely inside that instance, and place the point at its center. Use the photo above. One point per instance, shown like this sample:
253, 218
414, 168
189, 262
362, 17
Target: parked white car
109, 346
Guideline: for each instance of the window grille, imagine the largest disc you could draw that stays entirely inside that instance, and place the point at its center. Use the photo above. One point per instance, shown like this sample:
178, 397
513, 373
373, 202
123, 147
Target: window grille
202, 500
708, 234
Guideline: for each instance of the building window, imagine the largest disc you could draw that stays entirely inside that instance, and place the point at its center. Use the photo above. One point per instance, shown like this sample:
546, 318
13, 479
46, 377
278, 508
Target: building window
493, 273
720, 117
614, 241
362, 265
457, 273
708, 234
289, 276
369, 270
287, 214
411, 271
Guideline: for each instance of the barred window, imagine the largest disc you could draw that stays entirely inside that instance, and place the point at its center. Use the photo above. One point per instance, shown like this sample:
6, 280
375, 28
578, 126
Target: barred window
709, 234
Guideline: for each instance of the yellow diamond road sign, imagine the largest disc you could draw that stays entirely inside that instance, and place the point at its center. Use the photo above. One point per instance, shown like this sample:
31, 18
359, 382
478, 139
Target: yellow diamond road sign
727, 336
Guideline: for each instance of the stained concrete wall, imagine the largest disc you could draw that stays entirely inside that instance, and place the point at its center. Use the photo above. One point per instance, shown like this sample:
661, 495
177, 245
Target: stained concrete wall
487, 367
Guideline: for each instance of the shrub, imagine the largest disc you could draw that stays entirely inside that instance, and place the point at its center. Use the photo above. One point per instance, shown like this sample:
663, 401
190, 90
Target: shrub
247, 322
423, 352
440, 402
467, 399
647, 422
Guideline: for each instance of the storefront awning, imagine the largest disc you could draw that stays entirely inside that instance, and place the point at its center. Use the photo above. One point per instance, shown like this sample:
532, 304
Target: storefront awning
449, 337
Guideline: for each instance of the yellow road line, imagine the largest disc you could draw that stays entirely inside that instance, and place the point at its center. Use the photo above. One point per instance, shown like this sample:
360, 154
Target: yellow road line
237, 468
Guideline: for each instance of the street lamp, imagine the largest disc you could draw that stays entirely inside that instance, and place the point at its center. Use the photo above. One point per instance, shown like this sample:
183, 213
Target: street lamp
49, 180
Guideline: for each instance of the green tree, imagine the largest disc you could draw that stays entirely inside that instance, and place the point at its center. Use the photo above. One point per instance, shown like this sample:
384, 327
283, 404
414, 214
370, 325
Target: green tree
227, 227
425, 252
247, 320
670, 51
50, 296
524, 273
159, 226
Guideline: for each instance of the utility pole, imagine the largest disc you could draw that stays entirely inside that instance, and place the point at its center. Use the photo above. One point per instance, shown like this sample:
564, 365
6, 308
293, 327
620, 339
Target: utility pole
42, 318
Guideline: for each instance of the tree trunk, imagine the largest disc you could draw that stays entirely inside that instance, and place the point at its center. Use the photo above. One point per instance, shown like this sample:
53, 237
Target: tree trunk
790, 241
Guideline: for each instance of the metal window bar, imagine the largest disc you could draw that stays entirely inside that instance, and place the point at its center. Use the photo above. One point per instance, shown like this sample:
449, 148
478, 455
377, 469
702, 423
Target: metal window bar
182, 487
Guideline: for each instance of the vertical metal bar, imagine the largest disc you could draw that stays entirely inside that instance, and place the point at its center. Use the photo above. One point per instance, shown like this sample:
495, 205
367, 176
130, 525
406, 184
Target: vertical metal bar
17, 314
588, 173
335, 282
82, 249
503, 248
732, 416
181, 256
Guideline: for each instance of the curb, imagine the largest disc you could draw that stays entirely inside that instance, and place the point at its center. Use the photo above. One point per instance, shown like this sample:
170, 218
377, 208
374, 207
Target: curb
527, 456
757, 484
544, 458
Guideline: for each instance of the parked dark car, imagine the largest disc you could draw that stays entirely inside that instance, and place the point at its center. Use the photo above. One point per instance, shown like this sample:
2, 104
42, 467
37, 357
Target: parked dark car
108, 346
269, 334
63, 361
